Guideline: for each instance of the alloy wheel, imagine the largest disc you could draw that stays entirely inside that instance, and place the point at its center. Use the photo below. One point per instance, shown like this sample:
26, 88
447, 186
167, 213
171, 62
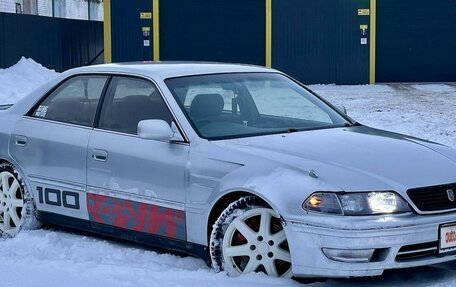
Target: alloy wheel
11, 203
256, 242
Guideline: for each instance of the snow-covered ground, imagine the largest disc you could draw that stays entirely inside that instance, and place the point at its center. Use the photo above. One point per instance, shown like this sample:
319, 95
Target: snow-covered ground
422, 110
54, 258
49, 258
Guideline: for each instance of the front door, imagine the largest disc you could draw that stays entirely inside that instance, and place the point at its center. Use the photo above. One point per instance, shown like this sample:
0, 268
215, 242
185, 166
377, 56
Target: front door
133, 183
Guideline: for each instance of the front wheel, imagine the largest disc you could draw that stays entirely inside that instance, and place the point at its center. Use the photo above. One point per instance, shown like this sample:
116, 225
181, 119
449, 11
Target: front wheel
16, 207
249, 237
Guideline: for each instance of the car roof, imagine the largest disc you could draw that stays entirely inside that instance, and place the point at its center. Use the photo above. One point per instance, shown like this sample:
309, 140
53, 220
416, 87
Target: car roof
174, 69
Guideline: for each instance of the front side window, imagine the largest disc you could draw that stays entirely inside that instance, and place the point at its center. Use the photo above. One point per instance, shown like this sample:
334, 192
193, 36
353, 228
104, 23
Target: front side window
74, 102
129, 101
224, 106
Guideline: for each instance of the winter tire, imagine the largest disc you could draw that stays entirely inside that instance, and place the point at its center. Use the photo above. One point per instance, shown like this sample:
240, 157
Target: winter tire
249, 237
17, 209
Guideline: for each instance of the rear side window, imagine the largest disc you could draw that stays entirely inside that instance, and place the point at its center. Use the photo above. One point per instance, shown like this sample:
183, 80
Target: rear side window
74, 102
129, 101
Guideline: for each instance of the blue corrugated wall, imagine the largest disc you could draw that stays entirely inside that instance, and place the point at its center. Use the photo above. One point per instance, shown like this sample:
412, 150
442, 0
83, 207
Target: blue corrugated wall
56, 43
416, 41
316, 41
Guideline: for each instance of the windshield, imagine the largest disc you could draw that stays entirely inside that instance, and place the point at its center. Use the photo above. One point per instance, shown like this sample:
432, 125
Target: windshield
237, 105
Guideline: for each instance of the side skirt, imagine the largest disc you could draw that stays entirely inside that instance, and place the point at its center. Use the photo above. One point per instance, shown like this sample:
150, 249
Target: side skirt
151, 240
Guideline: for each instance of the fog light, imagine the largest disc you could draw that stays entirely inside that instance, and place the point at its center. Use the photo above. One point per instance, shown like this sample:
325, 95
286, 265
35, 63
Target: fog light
349, 255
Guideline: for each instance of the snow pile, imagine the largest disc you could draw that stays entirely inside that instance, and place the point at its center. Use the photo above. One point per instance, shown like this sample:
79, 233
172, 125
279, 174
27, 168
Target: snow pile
21, 79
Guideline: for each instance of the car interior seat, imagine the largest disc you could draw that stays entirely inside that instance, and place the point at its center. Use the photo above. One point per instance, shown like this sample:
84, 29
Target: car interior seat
132, 109
206, 107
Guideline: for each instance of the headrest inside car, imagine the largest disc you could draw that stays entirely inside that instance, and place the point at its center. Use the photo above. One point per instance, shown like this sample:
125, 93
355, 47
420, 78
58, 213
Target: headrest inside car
206, 105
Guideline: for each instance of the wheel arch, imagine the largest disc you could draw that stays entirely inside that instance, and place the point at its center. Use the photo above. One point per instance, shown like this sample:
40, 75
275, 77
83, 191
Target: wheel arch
28, 218
225, 200
8, 161
20, 172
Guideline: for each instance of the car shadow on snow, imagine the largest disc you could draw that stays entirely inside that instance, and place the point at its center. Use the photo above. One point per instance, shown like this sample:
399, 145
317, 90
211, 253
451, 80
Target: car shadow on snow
127, 243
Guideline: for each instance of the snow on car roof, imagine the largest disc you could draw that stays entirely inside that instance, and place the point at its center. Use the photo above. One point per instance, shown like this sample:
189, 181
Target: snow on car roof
174, 69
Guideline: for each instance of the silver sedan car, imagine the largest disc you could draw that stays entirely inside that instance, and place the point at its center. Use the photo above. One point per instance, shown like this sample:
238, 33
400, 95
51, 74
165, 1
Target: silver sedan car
239, 165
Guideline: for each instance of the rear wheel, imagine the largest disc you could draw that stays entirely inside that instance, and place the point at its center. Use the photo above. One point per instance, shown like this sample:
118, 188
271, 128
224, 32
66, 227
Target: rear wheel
16, 207
249, 237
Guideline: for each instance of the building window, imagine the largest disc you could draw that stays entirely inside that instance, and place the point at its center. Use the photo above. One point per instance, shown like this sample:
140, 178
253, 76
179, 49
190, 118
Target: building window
60, 8
18, 8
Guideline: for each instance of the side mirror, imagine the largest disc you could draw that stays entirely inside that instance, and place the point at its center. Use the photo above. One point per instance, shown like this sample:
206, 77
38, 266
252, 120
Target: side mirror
155, 130
342, 109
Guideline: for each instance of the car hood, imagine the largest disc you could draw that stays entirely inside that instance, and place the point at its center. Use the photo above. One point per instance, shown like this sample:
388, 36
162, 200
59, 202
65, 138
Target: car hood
355, 158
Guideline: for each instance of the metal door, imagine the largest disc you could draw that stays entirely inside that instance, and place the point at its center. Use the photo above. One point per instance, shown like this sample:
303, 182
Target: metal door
132, 26
322, 42
216, 30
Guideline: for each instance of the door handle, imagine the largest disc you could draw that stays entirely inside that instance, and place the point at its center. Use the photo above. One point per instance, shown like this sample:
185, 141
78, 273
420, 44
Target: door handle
99, 155
21, 140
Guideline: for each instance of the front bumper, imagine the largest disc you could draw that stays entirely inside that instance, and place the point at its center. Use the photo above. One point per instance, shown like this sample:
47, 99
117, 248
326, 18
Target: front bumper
389, 235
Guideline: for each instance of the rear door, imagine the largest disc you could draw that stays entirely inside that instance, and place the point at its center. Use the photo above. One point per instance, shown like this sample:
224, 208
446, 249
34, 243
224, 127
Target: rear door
50, 145
133, 183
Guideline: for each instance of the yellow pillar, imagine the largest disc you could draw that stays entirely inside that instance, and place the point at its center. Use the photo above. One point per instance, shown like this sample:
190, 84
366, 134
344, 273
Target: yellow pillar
107, 31
269, 33
373, 40
156, 30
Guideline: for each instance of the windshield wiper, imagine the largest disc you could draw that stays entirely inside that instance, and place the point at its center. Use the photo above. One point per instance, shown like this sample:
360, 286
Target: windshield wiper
355, 124
295, 130
292, 130
287, 131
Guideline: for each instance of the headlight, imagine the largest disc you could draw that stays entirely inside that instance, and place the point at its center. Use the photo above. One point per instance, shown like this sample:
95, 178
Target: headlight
324, 203
366, 203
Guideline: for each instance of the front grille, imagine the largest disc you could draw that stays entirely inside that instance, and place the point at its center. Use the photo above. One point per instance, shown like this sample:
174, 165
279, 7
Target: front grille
417, 250
434, 198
